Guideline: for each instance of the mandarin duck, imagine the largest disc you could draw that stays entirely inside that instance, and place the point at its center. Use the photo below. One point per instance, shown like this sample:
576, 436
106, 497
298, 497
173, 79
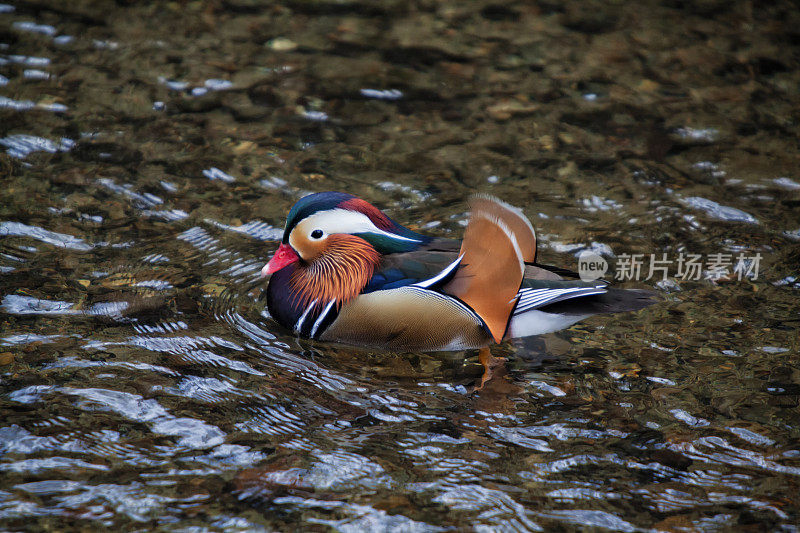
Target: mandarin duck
345, 272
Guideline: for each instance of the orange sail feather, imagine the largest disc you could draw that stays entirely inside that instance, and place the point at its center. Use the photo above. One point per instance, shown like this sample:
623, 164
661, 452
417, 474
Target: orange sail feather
492, 268
514, 218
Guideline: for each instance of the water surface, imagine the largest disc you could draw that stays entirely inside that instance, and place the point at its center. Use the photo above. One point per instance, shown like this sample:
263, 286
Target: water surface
150, 152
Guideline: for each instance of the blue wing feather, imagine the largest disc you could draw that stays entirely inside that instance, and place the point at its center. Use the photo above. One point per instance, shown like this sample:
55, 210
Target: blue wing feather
391, 278
431, 273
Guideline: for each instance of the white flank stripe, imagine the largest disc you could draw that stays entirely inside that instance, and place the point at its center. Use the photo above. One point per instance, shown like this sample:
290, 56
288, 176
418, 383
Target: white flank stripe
440, 276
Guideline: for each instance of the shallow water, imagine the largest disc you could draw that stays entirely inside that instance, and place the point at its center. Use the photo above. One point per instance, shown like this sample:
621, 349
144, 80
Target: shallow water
151, 153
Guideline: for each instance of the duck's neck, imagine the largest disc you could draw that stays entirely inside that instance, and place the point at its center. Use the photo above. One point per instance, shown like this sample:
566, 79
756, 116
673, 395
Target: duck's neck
282, 304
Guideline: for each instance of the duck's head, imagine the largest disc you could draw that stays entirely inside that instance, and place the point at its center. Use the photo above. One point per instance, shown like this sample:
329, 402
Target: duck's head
338, 230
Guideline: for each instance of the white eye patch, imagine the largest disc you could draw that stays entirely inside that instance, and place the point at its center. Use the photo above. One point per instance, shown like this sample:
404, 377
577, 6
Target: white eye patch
344, 221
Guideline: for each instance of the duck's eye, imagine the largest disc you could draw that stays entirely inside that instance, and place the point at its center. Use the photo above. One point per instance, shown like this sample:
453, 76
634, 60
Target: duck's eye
316, 234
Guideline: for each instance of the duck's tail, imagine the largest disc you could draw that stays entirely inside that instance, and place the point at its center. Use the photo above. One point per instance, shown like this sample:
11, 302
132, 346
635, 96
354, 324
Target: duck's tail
611, 301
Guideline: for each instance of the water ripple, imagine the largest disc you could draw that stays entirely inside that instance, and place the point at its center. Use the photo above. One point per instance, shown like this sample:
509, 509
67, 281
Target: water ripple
191, 433
61, 240
593, 519
718, 211
22, 145
497, 508
358, 517
143, 384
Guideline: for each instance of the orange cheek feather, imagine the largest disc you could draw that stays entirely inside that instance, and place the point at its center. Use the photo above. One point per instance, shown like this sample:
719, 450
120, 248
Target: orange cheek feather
343, 266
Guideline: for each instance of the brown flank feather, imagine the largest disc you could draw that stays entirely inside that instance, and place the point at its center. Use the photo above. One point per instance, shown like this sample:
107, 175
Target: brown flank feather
338, 273
491, 271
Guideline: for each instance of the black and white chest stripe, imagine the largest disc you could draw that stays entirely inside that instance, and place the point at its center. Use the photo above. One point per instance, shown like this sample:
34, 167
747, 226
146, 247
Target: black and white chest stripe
315, 319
